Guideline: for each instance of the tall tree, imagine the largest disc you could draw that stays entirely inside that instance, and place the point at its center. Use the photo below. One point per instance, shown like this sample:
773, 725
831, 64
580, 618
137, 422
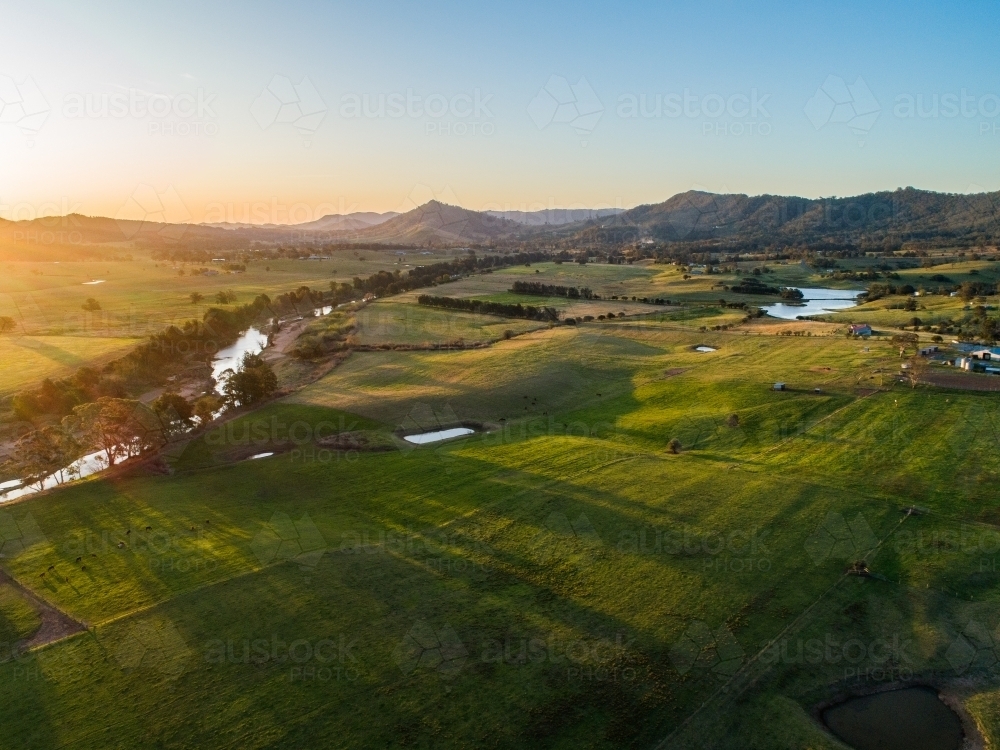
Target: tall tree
254, 381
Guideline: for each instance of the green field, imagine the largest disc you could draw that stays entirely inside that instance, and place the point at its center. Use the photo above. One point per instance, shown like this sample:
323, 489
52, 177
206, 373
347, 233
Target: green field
559, 580
30, 359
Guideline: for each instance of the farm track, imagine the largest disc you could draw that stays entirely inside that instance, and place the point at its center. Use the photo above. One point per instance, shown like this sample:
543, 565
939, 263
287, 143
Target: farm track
56, 624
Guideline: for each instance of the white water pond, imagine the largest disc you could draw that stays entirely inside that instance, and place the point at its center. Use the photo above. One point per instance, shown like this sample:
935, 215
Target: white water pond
92, 283
433, 437
704, 349
815, 301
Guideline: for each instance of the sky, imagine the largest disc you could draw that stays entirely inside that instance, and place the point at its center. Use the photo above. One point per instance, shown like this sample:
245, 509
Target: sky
285, 112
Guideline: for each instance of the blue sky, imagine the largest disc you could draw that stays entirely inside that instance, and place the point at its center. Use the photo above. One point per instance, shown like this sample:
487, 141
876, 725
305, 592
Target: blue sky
844, 96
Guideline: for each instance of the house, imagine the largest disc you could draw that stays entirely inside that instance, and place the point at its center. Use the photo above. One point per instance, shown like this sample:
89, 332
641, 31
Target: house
929, 350
861, 329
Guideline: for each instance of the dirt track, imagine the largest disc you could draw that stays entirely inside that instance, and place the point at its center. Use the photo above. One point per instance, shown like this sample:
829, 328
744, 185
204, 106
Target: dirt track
56, 624
962, 382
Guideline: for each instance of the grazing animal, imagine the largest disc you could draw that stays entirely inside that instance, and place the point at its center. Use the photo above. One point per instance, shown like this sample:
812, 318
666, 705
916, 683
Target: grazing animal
121, 545
149, 528
52, 567
128, 531
83, 567
78, 559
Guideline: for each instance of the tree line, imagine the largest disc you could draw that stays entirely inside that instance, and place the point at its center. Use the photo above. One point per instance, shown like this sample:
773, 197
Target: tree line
518, 310
551, 290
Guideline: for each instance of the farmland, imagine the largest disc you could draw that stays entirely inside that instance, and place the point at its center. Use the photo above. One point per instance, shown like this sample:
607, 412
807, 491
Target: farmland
559, 578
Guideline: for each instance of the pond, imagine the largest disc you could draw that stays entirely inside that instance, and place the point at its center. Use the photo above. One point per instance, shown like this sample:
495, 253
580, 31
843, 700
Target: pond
815, 301
433, 437
704, 349
251, 341
908, 719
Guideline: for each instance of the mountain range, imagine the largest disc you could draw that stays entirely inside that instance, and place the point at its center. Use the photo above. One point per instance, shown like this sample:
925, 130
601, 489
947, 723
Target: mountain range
871, 220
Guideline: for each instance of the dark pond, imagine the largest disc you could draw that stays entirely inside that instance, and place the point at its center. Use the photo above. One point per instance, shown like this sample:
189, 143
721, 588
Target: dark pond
909, 719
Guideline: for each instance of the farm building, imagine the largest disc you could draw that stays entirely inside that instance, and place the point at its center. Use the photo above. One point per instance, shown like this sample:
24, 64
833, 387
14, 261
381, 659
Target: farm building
985, 353
779, 386
861, 329
978, 365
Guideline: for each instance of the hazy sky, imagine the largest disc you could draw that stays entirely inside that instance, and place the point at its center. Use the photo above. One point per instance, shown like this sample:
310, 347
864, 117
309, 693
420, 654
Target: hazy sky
287, 111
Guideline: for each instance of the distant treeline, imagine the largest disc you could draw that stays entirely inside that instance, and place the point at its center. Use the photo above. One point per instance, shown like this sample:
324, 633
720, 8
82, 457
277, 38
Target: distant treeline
490, 308
551, 290
753, 286
385, 282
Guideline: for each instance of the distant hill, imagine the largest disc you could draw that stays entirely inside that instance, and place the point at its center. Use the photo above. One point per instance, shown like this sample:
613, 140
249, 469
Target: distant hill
441, 224
332, 222
871, 221
555, 216
905, 214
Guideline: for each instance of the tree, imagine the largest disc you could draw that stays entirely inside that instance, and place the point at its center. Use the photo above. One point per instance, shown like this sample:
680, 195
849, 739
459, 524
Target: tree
91, 305
7, 324
117, 427
196, 297
917, 370
205, 407
674, 446
254, 381
224, 298
43, 453
174, 412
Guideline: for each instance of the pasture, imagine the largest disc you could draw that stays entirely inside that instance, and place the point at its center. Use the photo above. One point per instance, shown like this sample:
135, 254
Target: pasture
560, 579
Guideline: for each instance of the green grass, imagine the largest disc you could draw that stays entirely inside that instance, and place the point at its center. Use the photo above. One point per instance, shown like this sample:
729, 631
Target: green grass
567, 531
30, 359
18, 619
392, 322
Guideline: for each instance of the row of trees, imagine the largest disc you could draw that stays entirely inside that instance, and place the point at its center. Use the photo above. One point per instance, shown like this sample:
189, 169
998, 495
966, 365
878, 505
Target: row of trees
490, 308
121, 428
551, 290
